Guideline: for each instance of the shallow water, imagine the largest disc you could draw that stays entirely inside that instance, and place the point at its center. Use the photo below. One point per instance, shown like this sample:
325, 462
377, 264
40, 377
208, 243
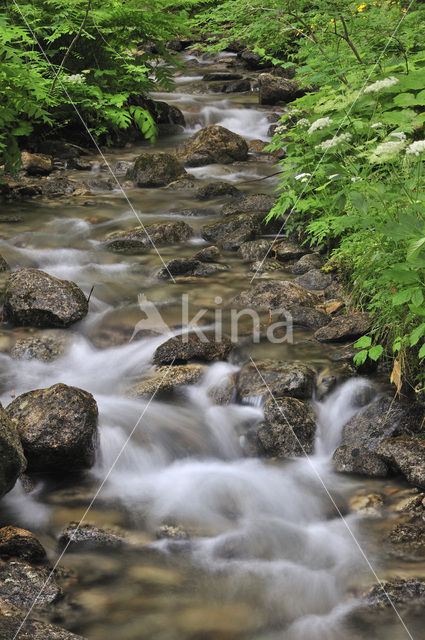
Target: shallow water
270, 556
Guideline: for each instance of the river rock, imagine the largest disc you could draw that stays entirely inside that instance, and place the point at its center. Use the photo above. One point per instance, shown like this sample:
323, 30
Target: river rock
208, 254
33, 297
57, 187
382, 419
276, 377
255, 250
256, 203
157, 234
405, 454
86, 537
275, 294
184, 348
40, 347
11, 618
237, 86
254, 61
275, 90
359, 460
289, 428
218, 76
57, 427
265, 266
12, 459
24, 585
314, 280
231, 232
343, 328
216, 190
189, 267
155, 170
20, 543
166, 379
192, 213
36, 164
288, 250
308, 317
307, 262
409, 537
3, 265
213, 144
395, 592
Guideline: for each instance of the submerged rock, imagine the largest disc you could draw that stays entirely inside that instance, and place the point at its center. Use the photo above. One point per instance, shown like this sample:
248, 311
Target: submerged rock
155, 170
216, 190
12, 459
275, 294
279, 378
20, 543
289, 428
86, 537
57, 427
166, 379
346, 327
33, 297
191, 347
213, 144
142, 239
45, 347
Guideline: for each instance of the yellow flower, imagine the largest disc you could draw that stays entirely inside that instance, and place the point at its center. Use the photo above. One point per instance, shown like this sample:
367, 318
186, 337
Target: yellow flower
362, 7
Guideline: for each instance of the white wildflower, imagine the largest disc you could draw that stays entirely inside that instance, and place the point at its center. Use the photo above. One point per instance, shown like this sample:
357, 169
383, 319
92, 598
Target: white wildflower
303, 177
334, 175
356, 179
387, 150
280, 129
321, 123
416, 148
376, 125
76, 78
400, 135
334, 142
381, 84
303, 122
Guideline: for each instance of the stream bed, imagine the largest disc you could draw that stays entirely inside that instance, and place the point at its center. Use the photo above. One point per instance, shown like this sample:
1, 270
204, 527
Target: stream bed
257, 549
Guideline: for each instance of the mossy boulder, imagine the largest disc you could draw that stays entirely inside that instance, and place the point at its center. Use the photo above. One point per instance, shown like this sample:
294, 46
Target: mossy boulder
213, 144
142, 239
33, 297
155, 170
57, 427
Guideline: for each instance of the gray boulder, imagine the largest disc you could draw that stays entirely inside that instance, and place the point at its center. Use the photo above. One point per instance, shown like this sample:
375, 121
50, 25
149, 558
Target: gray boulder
213, 144
276, 90
140, 240
181, 349
280, 378
359, 460
343, 328
289, 428
155, 170
275, 294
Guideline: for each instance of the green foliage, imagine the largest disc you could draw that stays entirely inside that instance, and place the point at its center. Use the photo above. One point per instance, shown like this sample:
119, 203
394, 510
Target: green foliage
106, 54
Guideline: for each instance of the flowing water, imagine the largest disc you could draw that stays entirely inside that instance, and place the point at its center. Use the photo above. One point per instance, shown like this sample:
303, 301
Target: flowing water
269, 555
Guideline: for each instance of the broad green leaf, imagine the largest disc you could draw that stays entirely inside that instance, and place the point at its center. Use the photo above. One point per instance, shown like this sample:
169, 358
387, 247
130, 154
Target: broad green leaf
363, 342
376, 352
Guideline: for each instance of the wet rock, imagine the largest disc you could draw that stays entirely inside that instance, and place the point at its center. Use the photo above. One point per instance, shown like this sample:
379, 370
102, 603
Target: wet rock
22, 544
309, 317
36, 164
86, 537
255, 250
182, 184
405, 454
359, 460
395, 592
224, 392
12, 459
57, 427
254, 61
166, 379
275, 90
231, 232
24, 585
18, 188
11, 618
315, 280
55, 187
275, 294
208, 254
142, 239
217, 76
257, 203
332, 307
192, 213
172, 532
257, 146
213, 144
367, 505
33, 297
346, 327
410, 536
307, 262
216, 190
189, 267
288, 250
237, 86
190, 346
289, 428
383, 418
155, 170
3, 265
166, 114
265, 266
279, 378
41, 347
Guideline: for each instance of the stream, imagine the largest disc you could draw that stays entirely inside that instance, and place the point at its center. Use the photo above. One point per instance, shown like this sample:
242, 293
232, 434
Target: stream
268, 556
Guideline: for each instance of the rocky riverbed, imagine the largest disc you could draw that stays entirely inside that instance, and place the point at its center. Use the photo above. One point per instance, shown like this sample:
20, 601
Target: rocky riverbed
225, 485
